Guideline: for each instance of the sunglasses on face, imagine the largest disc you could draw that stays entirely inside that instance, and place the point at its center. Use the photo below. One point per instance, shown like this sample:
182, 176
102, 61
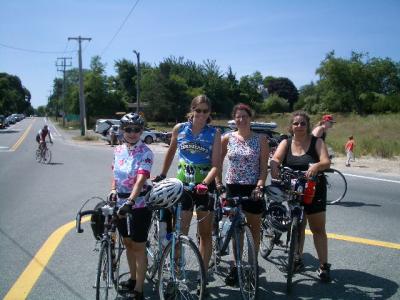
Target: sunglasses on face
204, 111
133, 129
302, 123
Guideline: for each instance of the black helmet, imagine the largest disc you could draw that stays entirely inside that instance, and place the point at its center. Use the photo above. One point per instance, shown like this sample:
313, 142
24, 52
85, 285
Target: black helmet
97, 221
132, 119
278, 216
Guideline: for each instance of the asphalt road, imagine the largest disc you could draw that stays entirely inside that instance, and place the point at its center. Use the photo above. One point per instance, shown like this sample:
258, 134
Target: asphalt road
38, 200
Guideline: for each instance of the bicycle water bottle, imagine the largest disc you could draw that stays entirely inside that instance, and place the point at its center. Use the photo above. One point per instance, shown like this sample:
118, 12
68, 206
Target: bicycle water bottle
309, 191
166, 239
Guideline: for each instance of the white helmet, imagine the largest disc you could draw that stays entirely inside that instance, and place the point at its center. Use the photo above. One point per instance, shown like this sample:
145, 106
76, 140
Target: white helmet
165, 193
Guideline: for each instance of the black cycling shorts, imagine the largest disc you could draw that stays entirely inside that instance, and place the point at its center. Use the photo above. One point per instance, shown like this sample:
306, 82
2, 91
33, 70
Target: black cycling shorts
245, 190
140, 225
202, 202
318, 204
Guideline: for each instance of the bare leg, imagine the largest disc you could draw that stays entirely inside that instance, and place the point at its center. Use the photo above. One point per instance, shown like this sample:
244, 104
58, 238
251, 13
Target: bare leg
317, 227
205, 232
141, 264
254, 222
130, 255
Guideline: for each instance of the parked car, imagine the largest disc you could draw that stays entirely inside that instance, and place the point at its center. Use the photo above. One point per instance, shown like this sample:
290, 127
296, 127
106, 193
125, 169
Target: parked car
114, 135
102, 125
2, 121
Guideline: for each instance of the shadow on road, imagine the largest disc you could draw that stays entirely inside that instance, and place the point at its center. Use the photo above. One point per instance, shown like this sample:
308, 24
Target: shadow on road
355, 204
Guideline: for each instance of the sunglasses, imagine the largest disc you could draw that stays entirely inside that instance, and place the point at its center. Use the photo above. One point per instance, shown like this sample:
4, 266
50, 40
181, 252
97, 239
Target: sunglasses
133, 129
204, 111
302, 124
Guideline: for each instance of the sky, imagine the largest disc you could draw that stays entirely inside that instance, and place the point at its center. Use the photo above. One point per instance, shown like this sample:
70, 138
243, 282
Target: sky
286, 38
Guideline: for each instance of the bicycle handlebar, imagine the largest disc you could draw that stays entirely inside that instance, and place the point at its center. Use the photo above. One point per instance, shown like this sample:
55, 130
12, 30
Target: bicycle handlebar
79, 216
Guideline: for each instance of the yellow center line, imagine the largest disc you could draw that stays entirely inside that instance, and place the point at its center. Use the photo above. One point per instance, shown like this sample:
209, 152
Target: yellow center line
360, 240
23, 136
28, 278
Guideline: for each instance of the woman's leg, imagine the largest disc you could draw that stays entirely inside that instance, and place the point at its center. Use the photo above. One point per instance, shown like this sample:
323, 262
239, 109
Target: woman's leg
254, 222
139, 252
205, 233
130, 255
317, 227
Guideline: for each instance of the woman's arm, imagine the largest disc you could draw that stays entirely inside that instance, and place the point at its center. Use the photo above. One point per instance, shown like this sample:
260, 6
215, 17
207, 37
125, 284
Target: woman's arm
171, 150
318, 131
278, 157
215, 159
224, 150
264, 156
324, 161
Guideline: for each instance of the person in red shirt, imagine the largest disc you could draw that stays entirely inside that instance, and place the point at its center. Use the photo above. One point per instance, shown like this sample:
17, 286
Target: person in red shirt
349, 148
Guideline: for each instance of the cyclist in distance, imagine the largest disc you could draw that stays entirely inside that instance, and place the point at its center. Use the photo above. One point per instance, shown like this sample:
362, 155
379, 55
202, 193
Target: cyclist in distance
305, 152
247, 171
323, 126
132, 164
41, 135
199, 153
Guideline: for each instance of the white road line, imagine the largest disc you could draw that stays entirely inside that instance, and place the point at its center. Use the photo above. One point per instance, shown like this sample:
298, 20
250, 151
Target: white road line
372, 178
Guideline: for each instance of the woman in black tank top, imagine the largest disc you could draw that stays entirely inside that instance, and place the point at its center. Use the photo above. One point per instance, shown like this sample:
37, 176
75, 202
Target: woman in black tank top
307, 153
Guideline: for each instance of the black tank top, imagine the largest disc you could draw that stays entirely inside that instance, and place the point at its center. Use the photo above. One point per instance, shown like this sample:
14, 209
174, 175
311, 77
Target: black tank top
301, 162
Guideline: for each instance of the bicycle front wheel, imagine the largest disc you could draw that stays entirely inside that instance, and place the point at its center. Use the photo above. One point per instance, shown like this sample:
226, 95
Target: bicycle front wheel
181, 274
247, 265
152, 250
268, 237
294, 239
103, 280
46, 156
336, 186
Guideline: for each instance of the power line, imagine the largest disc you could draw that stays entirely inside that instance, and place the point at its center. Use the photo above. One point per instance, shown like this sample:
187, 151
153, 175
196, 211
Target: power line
120, 27
34, 51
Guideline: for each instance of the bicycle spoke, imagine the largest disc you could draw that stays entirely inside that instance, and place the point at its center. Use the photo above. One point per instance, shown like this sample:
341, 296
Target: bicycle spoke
336, 186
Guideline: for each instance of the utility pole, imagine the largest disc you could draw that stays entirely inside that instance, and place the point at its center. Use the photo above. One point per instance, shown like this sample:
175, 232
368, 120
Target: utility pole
61, 68
82, 107
137, 81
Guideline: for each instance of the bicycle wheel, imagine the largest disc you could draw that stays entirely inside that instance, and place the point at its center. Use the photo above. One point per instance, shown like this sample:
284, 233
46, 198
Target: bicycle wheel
247, 265
46, 156
181, 274
152, 250
267, 242
294, 238
103, 280
336, 186
38, 156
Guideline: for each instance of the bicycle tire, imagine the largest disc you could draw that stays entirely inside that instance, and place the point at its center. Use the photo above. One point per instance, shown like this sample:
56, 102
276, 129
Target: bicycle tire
38, 155
294, 238
336, 186
184, 281
103, 279
267, 242
247, 265
46, 156
152, 250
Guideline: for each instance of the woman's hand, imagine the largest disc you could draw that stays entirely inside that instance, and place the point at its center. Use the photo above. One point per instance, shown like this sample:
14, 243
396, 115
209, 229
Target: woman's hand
312, 171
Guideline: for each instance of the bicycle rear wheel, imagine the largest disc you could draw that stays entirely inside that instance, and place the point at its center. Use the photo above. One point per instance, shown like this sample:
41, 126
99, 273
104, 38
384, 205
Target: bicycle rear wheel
294, 238
181, 274
247, 265
152, 250
38, 156
336, 186
104, 274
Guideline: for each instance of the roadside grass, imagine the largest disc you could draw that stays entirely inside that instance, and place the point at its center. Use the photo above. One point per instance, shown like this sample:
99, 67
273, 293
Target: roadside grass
375, 135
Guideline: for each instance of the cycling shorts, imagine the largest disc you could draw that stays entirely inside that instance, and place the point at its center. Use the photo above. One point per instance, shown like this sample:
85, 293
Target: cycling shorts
245, 190
318, 204
191, 200
139, 225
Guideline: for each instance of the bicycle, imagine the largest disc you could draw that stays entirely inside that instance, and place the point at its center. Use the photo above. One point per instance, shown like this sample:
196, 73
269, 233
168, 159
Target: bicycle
244, 249
43, 153
284, 214
111, 246
336, 186
180, 268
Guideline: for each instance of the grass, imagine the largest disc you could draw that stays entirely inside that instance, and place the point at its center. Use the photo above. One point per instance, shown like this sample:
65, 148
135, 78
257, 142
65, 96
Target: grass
375, 135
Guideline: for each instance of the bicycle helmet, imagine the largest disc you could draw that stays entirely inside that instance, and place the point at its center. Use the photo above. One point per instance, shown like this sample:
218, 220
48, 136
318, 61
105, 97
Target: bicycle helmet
278, 216
132, 119
165, 193
276, 193
97, 221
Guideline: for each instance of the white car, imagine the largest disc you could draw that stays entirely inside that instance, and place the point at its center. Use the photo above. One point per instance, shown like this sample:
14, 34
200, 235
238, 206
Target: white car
114, 136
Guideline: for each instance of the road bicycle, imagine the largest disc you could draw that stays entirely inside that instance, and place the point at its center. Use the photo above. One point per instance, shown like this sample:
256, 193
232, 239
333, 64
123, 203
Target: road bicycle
230, 223
109, 244
284, 215
336, 186
43, 153
178, 264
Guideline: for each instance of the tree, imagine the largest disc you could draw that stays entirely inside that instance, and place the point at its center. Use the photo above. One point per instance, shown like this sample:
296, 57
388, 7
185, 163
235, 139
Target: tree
14, 97
284, 88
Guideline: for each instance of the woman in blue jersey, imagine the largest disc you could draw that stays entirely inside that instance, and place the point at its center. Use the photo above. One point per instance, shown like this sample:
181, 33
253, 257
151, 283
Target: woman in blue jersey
199, 153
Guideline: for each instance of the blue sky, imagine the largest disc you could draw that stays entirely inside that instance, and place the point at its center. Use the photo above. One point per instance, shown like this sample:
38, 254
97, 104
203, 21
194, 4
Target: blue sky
278, 38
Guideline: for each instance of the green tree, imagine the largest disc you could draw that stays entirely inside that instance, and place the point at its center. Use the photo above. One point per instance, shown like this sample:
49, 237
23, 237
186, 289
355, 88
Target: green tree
284, 88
